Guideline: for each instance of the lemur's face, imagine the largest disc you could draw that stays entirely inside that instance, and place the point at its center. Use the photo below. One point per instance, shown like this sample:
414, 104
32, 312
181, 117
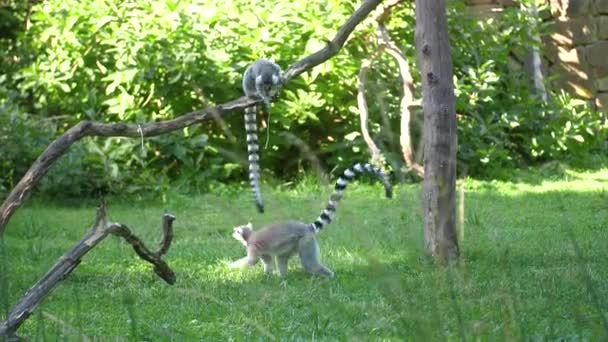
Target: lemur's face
242, 233
267, 86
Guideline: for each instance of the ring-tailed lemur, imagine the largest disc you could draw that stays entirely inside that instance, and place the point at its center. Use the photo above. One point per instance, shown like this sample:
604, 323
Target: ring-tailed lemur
283, 240
262, 79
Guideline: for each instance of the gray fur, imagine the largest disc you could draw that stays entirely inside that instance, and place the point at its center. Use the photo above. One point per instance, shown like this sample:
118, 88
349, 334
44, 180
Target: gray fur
281, 241
261, 80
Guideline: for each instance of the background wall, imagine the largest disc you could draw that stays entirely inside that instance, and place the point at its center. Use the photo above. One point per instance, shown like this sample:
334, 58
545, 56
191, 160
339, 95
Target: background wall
576, 49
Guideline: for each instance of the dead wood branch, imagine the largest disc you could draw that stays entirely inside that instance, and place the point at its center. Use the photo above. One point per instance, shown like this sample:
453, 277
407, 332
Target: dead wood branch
386, 44
380, 16
160, 266
363, 108
72, 258
167, 238
57, 148
406, 100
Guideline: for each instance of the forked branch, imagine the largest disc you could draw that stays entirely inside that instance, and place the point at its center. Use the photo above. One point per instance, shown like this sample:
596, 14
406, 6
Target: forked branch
72, 258
386, 44
57, 148
160, 266
406, 101
362, 104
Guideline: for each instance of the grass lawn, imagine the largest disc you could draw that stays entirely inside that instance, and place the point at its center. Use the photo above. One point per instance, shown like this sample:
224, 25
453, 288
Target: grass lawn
534, 265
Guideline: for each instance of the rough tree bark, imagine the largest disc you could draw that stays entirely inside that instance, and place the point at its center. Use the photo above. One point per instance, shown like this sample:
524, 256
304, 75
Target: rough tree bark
72, 258
59, 146
438, 102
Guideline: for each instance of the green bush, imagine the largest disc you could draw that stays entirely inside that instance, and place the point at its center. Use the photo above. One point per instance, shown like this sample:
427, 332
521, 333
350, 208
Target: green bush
21, 141
138, 62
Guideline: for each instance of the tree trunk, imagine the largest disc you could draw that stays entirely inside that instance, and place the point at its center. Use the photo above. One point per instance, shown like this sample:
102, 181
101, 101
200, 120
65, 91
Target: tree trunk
535, 55
439, 187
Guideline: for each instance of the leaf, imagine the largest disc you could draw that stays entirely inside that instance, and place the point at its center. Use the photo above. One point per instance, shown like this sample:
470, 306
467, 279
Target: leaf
578, 138
352, 136
172, 5
314, 45
103, 21
64, 87
101, 68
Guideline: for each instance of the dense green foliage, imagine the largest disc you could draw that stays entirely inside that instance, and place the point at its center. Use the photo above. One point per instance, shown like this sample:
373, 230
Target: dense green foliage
142, 61
533, 268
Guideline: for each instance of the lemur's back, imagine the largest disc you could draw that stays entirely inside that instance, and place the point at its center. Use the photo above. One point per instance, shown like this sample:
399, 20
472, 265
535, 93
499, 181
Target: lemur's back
280, 238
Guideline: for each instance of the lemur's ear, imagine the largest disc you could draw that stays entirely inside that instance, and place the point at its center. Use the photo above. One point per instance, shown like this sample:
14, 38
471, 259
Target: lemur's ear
249, 225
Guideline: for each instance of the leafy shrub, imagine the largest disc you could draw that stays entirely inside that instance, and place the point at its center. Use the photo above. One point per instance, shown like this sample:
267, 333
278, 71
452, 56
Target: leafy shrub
501, 124
133, 61
22, 140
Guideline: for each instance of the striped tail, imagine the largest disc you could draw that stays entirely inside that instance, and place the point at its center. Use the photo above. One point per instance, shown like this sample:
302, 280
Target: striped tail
251, 128
329, 212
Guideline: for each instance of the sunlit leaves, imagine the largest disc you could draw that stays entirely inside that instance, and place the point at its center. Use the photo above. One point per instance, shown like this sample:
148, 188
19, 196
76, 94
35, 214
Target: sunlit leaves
141, 61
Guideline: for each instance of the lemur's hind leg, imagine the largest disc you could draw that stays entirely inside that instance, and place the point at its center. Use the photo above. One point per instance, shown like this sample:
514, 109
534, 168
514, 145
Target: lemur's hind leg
309, 256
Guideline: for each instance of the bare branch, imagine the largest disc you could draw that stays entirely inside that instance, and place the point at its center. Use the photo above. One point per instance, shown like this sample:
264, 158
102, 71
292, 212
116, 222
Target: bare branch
386, 44
57, 148
381, 15
406, 101
362, 104
160, 266
72, 258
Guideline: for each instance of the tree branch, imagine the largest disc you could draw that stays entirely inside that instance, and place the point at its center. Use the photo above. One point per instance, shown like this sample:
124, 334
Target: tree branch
386, 44
160, 266
332, 48
362, 104
71, 259
57, 148
406, 101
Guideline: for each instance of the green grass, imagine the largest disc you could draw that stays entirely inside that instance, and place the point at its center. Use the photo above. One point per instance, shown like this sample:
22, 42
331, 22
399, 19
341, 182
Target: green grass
534, 265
